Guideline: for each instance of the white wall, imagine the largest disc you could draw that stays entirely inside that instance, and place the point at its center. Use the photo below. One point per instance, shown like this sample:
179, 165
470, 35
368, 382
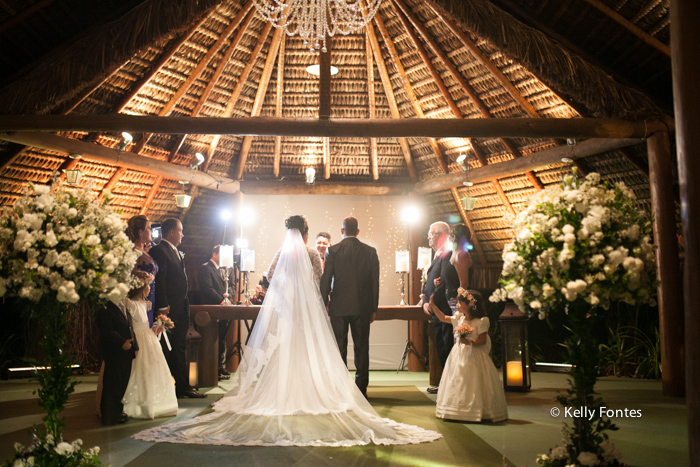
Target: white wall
381, 226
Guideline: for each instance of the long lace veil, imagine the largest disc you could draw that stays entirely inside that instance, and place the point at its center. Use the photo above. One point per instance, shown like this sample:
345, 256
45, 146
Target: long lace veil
292, 387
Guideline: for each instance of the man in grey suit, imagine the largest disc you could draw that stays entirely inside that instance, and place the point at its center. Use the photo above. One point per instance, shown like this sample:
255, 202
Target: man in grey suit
350, 289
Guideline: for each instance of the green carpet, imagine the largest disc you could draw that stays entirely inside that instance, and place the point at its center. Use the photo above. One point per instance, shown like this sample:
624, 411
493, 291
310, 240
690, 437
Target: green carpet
459, 445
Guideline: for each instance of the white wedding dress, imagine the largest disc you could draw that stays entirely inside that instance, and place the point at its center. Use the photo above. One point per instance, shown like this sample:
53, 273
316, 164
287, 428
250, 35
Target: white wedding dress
292, 388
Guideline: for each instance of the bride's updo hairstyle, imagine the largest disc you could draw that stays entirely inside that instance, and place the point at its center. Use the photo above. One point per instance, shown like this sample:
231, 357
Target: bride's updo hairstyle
297, 222
135, 226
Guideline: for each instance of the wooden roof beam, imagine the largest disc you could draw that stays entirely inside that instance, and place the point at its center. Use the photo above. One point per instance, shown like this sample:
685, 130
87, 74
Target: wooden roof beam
278, 106
372, 110
342, 127
443, 89
325, 188
631, 27
239, 87
260, 93
389, 92
408, 87
123, 159
537, 160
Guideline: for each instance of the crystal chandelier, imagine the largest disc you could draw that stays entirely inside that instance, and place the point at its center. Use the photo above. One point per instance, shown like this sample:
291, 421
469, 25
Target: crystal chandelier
315, 20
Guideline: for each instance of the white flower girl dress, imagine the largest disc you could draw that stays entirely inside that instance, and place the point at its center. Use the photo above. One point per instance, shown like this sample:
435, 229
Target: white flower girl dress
470, 389
151, 391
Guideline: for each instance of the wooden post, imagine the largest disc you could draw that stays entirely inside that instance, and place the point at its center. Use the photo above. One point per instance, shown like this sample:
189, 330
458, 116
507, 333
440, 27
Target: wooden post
685, 42
668, 265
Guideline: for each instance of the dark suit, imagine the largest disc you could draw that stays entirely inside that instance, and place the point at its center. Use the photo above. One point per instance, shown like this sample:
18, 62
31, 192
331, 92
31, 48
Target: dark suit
211, 292
171, 290
352, 269
441, 268
115, 328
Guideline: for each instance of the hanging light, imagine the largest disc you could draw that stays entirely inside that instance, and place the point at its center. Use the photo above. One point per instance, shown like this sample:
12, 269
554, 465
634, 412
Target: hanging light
316, 20
73, 176
468, 203
125, 141
183, 200
310, 175
316, 70
462, 161
199, 160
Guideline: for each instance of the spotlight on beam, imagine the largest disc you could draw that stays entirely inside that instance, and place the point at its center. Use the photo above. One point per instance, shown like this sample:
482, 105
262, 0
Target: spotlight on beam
199, 161
462, 161
125, 141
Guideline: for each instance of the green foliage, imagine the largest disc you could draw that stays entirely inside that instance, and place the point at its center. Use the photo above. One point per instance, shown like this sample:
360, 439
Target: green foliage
46, 452
631, 352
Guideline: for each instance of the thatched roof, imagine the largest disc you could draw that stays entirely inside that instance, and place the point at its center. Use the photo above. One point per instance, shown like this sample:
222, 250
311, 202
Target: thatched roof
442, 58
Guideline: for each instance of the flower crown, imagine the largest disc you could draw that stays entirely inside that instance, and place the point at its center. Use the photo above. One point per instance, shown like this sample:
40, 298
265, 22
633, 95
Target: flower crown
464, 293
140, 278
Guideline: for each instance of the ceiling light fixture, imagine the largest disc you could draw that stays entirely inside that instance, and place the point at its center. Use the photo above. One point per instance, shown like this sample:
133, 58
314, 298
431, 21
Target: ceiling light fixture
75, 156
183, 200
316, 70
200, 160
316, 20
125, 141
462, 161
73, 176
310, 175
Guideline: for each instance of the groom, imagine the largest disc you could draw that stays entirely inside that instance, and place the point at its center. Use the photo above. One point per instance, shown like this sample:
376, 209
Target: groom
350, 283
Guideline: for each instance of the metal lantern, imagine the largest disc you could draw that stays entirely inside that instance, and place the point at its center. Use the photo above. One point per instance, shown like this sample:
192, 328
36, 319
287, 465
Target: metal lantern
516, 361
183, 200
73, 176
193, 340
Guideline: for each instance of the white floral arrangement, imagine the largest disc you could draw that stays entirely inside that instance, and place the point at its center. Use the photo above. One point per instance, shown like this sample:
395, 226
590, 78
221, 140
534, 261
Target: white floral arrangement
51, 452
63, 243
581, 241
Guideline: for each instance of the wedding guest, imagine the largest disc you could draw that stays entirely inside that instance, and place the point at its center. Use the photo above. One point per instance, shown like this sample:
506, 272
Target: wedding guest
150, 392
119, 347
461, 238
260, 291
212, 291
442, 283
323, 241
350, 289
139, 232
470, 389
172, 301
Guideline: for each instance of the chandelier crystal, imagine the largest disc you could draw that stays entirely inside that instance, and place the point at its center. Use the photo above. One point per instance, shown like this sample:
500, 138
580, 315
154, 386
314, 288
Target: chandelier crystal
316, 20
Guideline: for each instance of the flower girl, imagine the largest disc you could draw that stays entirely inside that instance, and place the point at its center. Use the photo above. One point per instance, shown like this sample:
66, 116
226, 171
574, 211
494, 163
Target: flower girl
470, 389
151, 392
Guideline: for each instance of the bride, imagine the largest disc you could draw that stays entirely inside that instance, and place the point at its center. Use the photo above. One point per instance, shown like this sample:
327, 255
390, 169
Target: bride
292, 387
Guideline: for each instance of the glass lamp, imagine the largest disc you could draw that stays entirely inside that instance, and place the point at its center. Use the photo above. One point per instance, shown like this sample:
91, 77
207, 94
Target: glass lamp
516, 364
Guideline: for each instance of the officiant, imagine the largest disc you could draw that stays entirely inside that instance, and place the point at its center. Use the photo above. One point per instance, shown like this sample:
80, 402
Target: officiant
212, 291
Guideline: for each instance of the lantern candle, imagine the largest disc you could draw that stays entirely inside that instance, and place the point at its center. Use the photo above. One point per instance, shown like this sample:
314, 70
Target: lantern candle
226, 256
247, 260
193, 374
424, 257
402, 261
514, 372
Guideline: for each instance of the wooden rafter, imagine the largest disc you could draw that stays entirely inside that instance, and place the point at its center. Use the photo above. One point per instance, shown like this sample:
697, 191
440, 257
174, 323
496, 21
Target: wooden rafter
159, 179
631, 27
540, 159
343, 127
408, 87
122, 159
262, 90
404, 18
113, 180
389, 92
463, 214
278, 106
373, 161
239, 88
197, 71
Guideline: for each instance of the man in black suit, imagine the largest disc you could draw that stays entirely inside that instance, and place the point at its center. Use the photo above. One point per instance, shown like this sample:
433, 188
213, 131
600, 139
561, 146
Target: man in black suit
171, 300
119, 347
352, 270
212, 288
442, 283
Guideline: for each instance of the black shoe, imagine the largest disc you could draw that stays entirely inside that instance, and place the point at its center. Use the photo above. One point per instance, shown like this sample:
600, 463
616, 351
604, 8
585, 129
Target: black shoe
223, 376
123, 418
433, 390
224, 372
191, 394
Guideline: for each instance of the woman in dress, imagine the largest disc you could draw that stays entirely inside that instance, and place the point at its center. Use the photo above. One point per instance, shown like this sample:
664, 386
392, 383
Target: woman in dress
139, 232
461, 238
299, 223
151, 392
292, 387
470, 389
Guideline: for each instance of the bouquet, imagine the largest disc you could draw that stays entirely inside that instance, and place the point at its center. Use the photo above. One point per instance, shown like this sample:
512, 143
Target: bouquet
463, 330
161, 323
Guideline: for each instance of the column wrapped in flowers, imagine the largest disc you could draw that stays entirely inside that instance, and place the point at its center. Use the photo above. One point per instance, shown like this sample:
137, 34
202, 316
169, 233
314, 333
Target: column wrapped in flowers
577, 250
59, 246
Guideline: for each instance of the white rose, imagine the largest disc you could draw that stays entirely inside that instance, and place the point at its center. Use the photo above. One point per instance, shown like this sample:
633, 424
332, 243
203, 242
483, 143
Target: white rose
51, 239
64, 449
558, 453
587, 459
41, 189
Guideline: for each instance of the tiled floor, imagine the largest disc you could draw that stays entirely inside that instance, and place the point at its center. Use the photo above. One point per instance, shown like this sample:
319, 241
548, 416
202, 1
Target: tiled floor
658, 437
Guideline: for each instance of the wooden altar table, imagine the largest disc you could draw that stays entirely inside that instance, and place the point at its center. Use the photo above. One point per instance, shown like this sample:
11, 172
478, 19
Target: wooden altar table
207, 319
